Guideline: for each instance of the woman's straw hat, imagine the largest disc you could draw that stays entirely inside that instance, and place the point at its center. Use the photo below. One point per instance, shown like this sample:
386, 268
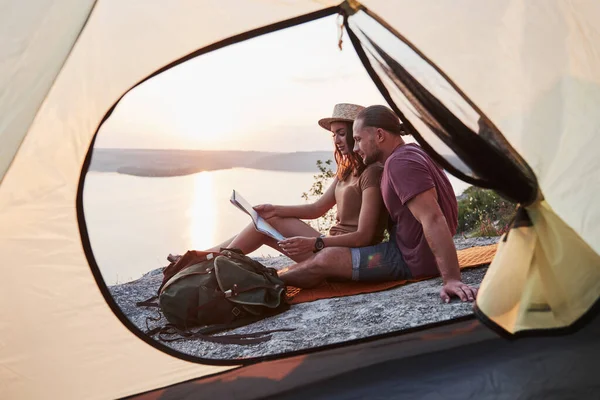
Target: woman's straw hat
341, 112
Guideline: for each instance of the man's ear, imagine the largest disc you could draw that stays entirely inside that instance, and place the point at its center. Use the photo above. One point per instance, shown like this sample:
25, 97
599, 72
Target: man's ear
379, 135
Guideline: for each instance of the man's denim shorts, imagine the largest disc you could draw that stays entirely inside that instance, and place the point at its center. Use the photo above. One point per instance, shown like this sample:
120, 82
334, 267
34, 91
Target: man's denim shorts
382, 262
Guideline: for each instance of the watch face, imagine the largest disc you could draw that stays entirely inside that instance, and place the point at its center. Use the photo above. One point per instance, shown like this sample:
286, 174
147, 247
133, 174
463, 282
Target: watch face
319, 244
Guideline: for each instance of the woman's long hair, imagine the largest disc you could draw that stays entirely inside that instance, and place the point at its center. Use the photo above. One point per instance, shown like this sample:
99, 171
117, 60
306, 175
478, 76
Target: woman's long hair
349, 164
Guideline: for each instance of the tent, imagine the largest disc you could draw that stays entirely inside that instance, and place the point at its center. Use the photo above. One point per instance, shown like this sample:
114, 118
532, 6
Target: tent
503, 95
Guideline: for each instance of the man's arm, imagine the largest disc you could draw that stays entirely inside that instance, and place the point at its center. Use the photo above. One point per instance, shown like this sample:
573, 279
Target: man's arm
427, 211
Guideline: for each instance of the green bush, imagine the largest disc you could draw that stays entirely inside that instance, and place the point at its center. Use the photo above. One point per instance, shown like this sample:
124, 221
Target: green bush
322, 181
482, 212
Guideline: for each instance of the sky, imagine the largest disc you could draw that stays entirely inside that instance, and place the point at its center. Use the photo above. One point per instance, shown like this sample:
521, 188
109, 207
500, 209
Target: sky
263, 94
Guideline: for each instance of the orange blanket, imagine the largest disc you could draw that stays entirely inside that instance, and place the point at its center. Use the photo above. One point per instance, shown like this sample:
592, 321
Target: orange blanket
472, 257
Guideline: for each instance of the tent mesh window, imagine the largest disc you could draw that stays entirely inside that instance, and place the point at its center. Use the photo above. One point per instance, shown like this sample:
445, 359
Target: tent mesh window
461, 138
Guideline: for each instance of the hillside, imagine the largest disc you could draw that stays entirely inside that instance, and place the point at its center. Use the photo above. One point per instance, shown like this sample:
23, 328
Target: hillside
147, 162
298, 161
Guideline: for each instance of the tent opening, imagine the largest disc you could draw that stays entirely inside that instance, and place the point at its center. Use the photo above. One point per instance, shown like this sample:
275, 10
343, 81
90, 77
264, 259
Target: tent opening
243, 117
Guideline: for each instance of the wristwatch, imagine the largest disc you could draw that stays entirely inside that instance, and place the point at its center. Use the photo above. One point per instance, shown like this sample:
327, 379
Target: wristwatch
319, 244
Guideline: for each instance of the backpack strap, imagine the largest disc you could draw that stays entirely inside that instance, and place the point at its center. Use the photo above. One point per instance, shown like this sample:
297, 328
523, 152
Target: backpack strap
205, 334
150, 302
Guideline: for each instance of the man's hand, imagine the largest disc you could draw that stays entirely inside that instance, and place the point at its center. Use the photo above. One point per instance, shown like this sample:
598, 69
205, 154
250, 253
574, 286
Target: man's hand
459, 289
425, 208
298, 245
266, 210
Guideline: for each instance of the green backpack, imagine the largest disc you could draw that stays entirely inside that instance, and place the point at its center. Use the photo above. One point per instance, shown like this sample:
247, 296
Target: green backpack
217, 291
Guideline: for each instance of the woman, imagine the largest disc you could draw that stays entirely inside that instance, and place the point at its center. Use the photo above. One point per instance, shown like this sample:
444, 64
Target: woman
361, 215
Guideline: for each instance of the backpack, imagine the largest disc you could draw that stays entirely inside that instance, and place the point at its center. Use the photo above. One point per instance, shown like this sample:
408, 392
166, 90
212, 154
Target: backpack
216, 291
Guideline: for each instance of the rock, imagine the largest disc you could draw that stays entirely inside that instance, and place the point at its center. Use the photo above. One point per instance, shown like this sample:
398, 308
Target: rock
316, 323
464, 243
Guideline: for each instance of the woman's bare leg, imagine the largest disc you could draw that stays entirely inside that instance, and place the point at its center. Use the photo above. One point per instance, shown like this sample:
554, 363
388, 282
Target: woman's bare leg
225, 244
250, 239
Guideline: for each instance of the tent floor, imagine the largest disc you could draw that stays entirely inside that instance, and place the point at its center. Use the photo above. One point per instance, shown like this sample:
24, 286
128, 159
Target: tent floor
543, 368
458, 360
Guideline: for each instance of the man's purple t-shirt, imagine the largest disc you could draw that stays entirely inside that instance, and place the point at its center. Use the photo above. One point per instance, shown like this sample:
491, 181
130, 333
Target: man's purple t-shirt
408, 172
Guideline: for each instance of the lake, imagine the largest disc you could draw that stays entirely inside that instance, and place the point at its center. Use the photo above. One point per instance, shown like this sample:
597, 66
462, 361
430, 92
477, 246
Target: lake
135, 222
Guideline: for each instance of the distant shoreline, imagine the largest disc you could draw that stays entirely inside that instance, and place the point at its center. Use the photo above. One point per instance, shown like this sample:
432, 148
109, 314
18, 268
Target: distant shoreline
169, 163
174, 174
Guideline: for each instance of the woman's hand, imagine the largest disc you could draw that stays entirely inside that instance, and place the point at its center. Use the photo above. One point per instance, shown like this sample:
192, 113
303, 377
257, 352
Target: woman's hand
266, 210
298, 245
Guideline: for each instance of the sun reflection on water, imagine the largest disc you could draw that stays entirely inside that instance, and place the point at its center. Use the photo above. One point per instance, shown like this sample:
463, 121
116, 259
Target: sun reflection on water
203, 212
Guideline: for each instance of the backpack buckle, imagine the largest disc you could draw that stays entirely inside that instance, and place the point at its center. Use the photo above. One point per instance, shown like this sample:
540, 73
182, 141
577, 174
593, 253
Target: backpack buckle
231, 292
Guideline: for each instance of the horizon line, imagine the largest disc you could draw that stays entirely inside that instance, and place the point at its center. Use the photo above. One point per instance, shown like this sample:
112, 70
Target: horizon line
211, 150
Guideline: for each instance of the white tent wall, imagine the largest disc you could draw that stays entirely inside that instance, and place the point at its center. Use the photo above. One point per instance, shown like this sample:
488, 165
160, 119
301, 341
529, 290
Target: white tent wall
534, 68
59, 339
35, 40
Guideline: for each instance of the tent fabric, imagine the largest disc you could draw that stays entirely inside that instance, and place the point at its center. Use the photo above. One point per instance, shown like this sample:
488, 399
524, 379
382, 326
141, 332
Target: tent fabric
532, 68
274, 378
406, 95
544, 276
441, 118
467, 258
34, 43
460, 360
58, 334
549, 368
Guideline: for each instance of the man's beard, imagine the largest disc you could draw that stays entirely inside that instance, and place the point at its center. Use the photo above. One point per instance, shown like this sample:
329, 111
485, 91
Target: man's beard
373, 157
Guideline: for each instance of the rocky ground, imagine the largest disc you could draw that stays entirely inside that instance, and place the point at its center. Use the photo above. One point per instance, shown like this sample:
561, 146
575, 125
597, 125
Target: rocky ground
320, 322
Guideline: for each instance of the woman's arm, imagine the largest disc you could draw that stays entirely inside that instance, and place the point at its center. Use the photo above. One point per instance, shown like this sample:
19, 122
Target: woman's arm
304, 211
367, 226
372, 204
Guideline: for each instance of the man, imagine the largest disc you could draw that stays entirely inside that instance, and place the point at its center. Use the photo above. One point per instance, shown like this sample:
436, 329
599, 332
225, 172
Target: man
423, 212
